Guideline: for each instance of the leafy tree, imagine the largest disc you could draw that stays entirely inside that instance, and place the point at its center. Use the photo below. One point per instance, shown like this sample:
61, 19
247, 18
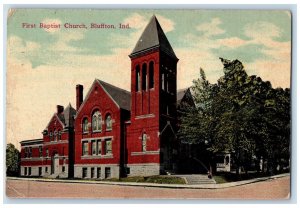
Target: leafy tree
12, 160
239, 114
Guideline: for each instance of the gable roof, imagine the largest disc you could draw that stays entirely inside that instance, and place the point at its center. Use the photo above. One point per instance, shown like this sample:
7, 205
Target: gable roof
180, 94
120, 96
152, 37
185, 95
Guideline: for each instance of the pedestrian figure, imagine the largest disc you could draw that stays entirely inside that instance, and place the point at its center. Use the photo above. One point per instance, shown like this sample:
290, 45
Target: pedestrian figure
209, 175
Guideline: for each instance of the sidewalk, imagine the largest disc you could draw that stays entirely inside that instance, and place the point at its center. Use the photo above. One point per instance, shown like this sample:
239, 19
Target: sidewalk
185, 186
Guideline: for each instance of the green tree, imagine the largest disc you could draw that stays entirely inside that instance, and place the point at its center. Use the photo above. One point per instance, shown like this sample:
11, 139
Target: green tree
239, 114
12, 160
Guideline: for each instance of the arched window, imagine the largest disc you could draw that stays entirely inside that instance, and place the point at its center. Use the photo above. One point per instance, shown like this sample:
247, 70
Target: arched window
85, 125
50, 135
108, 122
96, 122
144, 142
151, 75
144, 77
163, 81
59, 134
137, 79
55, 135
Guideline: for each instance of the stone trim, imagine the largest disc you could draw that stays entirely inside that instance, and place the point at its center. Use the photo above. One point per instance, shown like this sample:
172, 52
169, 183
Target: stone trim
97, 138
97, 156
145, 153
145, 116
32, 145
32, 159
56, 142
96, 165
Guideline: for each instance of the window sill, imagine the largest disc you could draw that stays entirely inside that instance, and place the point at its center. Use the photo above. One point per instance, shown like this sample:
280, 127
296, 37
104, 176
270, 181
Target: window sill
96, 156
97, 131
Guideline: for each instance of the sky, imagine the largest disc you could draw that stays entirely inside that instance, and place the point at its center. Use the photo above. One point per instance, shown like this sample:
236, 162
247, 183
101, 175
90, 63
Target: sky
44, 65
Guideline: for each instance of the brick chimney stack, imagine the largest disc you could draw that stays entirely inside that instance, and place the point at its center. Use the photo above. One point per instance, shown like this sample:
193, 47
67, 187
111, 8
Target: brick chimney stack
79, 95
59, 109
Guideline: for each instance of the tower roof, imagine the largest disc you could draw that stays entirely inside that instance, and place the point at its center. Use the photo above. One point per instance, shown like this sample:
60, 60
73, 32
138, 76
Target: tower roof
153, 37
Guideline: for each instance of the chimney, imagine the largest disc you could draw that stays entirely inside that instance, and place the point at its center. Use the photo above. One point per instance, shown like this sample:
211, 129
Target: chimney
79, 95
59, 109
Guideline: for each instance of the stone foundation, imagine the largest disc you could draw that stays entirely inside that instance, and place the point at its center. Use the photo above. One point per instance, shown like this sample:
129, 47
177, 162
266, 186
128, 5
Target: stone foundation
114, 171
143, 169
35, 171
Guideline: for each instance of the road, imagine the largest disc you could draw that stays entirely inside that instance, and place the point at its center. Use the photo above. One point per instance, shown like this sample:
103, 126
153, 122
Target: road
272, 189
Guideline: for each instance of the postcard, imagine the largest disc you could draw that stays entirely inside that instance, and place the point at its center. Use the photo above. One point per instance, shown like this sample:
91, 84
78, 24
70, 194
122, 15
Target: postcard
148, 104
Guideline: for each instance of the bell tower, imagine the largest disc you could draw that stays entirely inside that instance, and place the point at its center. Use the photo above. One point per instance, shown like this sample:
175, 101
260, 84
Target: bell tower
151, 136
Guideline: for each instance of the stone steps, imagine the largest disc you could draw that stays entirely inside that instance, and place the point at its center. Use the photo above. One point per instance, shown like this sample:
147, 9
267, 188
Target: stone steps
197, 179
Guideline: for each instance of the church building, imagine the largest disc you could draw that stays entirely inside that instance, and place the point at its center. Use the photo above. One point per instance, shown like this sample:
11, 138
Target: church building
115, 133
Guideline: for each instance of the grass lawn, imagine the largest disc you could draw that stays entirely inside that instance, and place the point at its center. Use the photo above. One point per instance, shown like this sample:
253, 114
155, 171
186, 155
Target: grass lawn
232, 177
151, 179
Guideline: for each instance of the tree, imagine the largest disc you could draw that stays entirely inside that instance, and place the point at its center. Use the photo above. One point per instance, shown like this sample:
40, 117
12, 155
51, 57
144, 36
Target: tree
239, 114
12, 160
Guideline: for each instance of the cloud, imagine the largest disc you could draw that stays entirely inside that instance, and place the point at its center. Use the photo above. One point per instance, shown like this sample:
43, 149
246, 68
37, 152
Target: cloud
262, 30
136, 21
166, 24
211, 28
233, 42
277, 54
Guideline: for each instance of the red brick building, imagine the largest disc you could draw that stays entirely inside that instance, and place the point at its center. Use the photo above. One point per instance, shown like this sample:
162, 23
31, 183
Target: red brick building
113, 132
52, 155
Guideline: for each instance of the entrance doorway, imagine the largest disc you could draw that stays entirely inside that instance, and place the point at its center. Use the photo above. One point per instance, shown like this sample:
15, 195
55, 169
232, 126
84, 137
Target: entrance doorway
55, 164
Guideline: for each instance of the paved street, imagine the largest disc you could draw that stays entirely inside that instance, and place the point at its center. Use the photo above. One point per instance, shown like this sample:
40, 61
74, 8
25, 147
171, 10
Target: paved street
272, 189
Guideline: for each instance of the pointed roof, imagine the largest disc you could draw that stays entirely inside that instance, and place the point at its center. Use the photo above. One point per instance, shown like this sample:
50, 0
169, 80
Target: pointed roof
69, 114
120, 96
153, 37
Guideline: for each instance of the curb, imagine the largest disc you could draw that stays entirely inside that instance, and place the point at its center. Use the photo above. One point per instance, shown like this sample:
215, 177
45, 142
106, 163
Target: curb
181, 186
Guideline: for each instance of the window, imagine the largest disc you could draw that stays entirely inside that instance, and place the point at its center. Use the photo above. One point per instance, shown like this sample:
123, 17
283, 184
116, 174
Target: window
29, 170
84, 172
167, 83
98, 172
50, 135
108, 122
25, 171
107, 172
163, 81
40, 151
137, 79
108, 149
55, 135
46, 169
127, 170
47, 152
144, 77
63, 169
151, 75
96, 122
99, 147
85, 125
85, 148
144, 142
92, 172
94, 151
30, 152
26, 152
40, 171
59, 135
